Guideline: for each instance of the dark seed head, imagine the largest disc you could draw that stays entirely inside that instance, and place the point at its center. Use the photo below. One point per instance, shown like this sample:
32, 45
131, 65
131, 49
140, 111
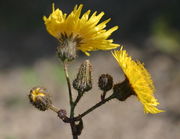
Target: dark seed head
105, 82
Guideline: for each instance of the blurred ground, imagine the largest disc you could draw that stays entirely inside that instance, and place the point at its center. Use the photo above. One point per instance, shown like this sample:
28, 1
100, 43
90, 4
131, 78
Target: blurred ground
150, 31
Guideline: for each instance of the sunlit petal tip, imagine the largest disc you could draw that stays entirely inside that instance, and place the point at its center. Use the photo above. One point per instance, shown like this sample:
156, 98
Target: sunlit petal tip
53, 7
115, 28
153, 111
108, 20
101, 14
87, 12
117, 45
94, 14
44, 18
75, 7
80, 7
87, 53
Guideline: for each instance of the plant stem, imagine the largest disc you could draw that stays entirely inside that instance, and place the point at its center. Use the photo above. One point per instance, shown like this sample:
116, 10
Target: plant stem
94, 107
53, 108
72, 123
75, 136
75, 102
68, 83
103, 95
80, 94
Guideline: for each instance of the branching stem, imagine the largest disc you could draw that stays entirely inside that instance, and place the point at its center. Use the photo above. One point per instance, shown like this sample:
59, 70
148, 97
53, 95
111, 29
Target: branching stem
94, 107
73, 104
80, 94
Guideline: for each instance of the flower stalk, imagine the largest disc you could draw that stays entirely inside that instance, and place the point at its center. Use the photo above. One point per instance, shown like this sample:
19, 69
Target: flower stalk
68, 83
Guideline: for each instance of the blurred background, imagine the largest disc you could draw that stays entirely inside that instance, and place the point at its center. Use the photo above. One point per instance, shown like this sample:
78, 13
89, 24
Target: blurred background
149, 31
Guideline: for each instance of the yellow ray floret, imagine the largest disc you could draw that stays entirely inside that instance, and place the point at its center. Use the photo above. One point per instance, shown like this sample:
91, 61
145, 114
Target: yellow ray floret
139, 79
93, 34
35, 93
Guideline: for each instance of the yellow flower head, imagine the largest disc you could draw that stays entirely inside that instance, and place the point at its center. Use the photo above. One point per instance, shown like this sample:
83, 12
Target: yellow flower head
92, 34
139, 79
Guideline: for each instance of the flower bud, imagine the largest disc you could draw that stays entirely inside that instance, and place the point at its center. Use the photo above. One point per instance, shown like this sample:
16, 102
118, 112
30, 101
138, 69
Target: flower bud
105, 82
83, 81
122, 90
40, 98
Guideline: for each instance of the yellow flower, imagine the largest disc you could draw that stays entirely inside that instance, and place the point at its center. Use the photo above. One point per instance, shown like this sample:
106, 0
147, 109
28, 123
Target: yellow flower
91, 34
139, 79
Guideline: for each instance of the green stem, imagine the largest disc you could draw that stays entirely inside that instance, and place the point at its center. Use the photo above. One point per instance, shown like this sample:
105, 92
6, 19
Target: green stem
75, 102
80, 94
72, 124
68, 83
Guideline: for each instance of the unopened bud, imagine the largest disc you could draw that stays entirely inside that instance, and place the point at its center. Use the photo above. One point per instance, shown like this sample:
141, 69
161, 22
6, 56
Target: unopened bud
123, 90
40, 98
83, 81
68, 45
105, 82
